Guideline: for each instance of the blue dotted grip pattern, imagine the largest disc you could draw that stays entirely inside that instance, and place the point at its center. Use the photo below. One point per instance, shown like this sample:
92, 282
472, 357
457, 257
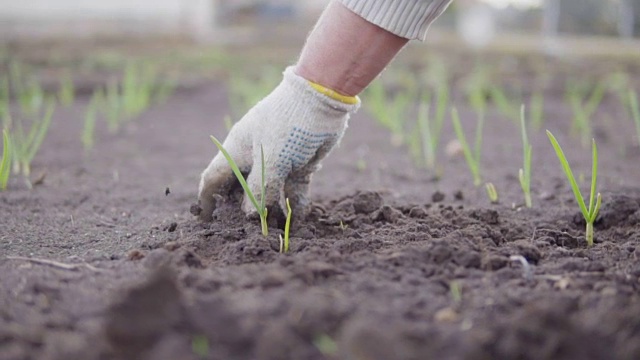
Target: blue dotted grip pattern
300, 147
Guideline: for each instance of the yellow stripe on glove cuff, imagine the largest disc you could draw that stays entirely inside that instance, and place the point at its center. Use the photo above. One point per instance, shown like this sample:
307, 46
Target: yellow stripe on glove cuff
351, 100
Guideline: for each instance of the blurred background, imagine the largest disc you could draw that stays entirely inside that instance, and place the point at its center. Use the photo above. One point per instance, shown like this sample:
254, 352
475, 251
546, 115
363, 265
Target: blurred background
235, 20
108, 62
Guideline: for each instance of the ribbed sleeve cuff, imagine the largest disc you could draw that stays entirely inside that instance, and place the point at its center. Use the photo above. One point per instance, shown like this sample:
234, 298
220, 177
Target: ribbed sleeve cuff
409, 19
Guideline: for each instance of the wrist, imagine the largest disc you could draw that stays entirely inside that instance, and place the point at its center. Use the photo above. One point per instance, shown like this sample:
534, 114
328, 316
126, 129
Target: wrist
345, 52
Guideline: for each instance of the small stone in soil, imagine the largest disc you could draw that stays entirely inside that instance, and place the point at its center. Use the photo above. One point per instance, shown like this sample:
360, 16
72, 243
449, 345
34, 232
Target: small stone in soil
195, 209
417, 212
172, 227
167, 191
171, 246
437, 196
367, 202
135, 255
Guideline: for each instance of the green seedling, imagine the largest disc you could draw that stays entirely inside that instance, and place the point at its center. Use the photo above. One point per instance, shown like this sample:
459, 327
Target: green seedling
246, 91
430, 132
492, 193
584, 105
504, 104
138, 90
389, 111
66, 91
536, 109
112, 106
88, 130
618, 83
259, 206
524, 174
635, 112
284, 243
228, 123
440, 84
163, 90
5, 163
4, 97
138, 85
424, 128
31, 98
26, 144
472, 158
595, 201
442, 103
29, 92
477, 87
200, 346
455, 291
326, 345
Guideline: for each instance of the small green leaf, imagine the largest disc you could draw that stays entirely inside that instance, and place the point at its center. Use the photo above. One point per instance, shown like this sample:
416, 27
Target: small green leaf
594, 174
5, 164
468, 155
237, 173
569, 174
287, 227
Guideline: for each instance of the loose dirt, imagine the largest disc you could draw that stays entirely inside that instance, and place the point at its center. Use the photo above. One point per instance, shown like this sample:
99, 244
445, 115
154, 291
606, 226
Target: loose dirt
390, 264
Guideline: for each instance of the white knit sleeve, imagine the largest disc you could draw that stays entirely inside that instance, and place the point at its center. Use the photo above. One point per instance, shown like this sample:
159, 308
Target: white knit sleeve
409, 19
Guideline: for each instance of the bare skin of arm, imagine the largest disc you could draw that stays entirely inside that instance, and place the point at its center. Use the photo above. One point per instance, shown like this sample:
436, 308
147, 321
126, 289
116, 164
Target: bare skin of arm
344, 52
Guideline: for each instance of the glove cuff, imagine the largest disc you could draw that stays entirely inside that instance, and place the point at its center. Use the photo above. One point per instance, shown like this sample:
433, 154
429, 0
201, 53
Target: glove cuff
303, 88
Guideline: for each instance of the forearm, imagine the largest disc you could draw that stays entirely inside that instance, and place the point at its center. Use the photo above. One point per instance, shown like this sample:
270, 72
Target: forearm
345, 52
354, 40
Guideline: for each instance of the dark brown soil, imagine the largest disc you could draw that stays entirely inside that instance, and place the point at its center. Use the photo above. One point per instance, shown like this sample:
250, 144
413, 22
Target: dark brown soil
390, 264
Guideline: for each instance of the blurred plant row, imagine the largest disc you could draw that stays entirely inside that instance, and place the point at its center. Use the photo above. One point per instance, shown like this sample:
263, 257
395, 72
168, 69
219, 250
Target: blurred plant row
26, 109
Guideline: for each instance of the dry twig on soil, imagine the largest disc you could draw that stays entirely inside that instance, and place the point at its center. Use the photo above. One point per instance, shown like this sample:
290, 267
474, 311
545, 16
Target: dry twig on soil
54, 263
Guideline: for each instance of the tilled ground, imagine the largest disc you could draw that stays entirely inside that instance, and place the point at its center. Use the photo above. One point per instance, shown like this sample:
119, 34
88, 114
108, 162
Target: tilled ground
390, 264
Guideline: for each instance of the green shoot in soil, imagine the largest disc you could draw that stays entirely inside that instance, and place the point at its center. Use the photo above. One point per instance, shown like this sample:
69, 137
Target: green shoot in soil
260, 207
430, 132
473, 159
456, 291
66, 91
504, 104
428, 142
4, 99
492, 193
200, 346
135, 93
28, 91
26, 144
442, 102
477, 87
5, 163
591, 212
284, 243
88, 131
635, 112
536, 110
112, 106
228, 123
389, 111
246, 91
524, 175
584, 105
326, 345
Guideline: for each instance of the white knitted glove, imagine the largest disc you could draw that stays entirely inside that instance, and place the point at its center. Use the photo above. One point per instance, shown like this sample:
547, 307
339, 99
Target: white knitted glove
297, 127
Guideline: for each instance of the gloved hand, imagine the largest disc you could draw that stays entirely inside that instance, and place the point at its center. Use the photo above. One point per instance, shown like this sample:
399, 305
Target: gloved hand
297, 125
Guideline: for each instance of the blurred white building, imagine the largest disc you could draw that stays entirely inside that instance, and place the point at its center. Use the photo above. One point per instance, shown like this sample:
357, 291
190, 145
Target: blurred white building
86, 18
